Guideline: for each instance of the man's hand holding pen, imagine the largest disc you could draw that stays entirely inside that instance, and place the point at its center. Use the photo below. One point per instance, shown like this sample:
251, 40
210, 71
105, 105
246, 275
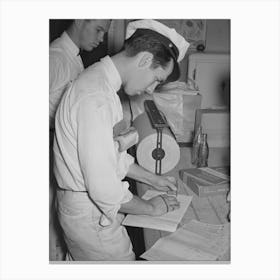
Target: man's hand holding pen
169, 185
166, 184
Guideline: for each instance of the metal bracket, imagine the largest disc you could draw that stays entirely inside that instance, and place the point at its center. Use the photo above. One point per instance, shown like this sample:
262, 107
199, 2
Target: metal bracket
158, 153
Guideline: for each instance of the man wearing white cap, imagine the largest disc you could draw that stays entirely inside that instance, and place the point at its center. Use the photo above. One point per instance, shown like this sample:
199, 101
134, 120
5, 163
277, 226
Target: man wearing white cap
89, 166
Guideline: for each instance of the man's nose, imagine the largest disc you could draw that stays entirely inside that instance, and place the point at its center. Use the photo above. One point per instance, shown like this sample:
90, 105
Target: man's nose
151, 88
101, 37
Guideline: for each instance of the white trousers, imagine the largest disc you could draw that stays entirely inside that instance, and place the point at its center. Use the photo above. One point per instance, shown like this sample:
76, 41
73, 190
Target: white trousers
56, 246
86, 239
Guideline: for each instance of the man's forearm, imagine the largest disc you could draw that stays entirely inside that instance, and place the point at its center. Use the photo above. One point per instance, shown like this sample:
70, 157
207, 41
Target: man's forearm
161, 183
137, 206
138, 173
155, 206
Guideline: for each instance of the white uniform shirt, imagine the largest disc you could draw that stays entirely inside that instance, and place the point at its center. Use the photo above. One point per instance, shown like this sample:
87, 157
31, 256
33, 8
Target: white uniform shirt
86, 156
65, 64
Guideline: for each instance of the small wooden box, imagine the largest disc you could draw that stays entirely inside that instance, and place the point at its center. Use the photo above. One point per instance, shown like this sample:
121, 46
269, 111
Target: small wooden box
204, 183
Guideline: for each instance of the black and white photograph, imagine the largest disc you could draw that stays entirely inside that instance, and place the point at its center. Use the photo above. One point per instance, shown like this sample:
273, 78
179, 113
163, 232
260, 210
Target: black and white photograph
139, 139
139, 116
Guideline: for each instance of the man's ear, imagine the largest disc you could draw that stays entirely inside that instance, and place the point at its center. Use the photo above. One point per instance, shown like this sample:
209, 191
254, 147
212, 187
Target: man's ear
146, 60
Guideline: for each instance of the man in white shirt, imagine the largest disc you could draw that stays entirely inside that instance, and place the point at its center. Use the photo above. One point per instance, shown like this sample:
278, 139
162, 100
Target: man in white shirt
88, 165
65, 64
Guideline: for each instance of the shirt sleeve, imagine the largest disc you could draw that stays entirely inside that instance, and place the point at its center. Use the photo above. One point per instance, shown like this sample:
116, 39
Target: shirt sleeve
124, 162
98, 158
59, 76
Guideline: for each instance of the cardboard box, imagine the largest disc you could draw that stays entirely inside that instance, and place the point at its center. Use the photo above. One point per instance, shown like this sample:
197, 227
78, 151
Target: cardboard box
206, 181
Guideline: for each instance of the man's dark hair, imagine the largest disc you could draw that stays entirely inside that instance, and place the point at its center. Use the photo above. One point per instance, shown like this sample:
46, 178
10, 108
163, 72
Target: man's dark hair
147, 42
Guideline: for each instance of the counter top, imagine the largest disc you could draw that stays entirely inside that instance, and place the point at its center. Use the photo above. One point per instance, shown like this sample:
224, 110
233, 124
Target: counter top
212, 209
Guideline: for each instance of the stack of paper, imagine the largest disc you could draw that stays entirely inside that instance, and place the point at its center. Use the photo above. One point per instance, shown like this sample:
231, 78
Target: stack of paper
194, 241
166, 222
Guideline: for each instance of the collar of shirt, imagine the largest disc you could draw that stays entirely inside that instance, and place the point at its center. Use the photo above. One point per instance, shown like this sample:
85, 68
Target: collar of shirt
112, 72
67, 41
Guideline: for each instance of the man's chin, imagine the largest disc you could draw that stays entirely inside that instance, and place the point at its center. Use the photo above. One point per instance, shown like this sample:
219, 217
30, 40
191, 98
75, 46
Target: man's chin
134, 93
131, 92
89, 49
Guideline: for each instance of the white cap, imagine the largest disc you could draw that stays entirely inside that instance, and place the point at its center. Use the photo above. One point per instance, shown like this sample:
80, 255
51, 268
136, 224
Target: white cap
176, 44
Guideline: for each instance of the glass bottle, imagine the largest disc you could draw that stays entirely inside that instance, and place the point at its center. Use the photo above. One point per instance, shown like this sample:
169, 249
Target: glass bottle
203, 152
196, 145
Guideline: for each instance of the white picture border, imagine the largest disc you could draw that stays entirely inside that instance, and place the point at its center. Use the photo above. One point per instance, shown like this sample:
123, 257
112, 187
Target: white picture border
254, 144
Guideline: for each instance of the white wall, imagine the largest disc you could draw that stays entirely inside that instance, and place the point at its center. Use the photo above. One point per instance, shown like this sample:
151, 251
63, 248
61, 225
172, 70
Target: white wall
218, 36
217, 40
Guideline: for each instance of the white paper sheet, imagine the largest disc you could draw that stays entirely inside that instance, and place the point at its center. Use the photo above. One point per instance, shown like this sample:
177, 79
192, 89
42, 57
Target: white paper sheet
194, 241
166, 222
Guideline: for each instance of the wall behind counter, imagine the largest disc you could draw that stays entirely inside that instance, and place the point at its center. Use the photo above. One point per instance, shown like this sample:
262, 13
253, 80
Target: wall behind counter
217, 41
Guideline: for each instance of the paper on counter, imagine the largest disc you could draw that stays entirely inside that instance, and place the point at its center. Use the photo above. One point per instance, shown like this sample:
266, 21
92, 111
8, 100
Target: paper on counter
166, 222
194, 241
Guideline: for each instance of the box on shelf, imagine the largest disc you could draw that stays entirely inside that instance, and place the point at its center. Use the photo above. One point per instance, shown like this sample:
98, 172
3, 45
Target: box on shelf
206, 181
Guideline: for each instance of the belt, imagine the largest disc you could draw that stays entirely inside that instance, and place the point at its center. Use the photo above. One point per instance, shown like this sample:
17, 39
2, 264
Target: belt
68, 190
